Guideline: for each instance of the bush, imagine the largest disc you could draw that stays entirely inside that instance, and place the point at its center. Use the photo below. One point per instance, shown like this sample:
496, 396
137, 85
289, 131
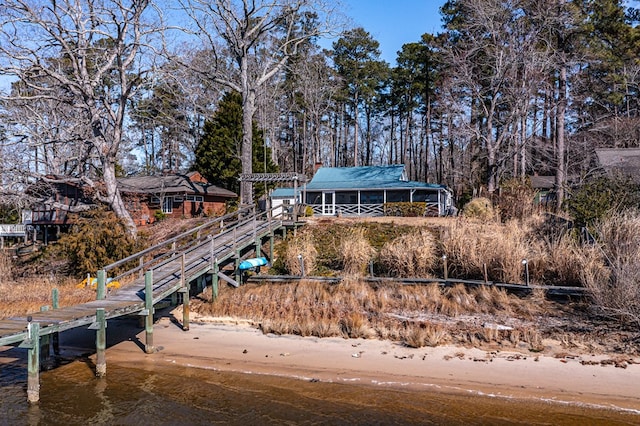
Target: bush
515, 200
97, 239
405, 209
308, 211
593, 200
479, 208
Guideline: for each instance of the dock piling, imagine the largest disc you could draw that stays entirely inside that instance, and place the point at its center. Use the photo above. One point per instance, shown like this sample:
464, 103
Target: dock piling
101, 290
101, 343
55, 337
148, 302
33, 362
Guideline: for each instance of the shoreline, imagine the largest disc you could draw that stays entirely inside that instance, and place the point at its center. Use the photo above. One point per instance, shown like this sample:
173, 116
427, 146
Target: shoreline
241, 348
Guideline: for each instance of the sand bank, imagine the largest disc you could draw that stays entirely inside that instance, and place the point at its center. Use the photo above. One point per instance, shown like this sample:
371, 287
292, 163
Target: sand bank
575, 379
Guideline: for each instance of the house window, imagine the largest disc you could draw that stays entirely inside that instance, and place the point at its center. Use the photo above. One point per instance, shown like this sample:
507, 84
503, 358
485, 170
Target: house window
371, 197
194, 198
397, 196
346, 197
167, 205
314, 198
425, 196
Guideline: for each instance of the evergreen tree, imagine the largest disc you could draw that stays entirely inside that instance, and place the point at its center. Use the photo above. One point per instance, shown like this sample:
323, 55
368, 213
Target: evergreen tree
218, 154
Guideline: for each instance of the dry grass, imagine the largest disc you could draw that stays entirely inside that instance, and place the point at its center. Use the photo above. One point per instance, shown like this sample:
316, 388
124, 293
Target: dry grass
480, 208
29, 295
410, 255
357, 309
6, 266
614, 281
501, 248
421, 335
355, 251
301, 246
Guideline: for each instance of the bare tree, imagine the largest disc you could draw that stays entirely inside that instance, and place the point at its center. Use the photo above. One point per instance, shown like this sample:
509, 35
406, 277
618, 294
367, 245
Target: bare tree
87, 57
495, 59
250, 41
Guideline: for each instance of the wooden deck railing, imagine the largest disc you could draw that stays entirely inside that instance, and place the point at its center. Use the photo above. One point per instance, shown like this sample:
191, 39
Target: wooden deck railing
12, 230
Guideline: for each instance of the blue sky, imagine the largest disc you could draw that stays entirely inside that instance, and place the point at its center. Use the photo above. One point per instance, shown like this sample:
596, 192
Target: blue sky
395, 22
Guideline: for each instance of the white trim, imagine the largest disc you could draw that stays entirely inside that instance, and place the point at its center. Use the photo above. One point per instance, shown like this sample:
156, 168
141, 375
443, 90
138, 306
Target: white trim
167, 205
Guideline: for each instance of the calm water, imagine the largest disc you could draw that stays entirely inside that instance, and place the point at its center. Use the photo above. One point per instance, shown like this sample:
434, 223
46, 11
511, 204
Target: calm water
71, 395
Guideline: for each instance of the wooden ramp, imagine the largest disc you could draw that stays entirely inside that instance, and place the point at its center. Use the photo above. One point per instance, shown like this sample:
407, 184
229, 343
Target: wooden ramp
148, 277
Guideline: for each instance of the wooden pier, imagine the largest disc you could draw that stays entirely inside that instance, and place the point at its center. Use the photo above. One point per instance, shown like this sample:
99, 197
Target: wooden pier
164, 271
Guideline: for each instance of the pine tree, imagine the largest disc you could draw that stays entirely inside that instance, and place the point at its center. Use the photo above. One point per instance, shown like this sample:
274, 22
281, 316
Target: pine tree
218, 154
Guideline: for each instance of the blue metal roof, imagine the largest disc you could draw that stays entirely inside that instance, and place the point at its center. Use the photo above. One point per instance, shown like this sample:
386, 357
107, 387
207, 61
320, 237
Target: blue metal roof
364, 178
283, 193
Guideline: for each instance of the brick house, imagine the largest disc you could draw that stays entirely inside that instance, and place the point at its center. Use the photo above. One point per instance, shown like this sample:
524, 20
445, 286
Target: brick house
147, 198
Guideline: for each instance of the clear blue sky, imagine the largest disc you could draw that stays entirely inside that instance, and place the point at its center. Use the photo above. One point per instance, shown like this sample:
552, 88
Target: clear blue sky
395, 22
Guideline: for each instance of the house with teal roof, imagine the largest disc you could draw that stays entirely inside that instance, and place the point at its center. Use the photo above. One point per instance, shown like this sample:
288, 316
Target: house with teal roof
364, 191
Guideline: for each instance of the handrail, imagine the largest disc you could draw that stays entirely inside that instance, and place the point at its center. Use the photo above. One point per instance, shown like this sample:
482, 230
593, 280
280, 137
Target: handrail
231, 239
226, 231
174, 239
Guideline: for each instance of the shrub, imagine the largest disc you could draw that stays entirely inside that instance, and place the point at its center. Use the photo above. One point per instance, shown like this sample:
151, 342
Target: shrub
479, 208
96, 240
308, 211
404, 209
159, 215
515, 200
593, 200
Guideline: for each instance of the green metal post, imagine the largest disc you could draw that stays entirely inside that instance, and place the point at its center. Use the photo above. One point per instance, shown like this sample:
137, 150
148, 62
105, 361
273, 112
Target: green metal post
101, 291
148, 303
55, 337
101, 343
33, 363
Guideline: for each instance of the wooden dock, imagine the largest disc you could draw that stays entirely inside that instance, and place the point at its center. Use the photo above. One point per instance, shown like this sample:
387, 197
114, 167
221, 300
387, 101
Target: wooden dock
148, 277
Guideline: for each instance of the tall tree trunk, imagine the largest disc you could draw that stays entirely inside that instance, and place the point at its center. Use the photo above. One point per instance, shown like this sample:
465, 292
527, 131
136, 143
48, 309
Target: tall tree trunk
355, 130
246, 155
560, 138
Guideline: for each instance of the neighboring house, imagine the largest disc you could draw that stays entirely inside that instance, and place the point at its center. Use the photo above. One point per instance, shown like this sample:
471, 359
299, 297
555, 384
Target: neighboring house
624, 161
544, 187
177, 195
364, 191
283, 200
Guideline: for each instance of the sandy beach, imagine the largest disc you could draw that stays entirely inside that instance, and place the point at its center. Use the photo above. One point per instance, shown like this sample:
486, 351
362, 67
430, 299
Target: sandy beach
591, 380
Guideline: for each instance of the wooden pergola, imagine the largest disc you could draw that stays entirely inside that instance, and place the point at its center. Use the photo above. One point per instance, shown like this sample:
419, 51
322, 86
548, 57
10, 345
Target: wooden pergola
294, 177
